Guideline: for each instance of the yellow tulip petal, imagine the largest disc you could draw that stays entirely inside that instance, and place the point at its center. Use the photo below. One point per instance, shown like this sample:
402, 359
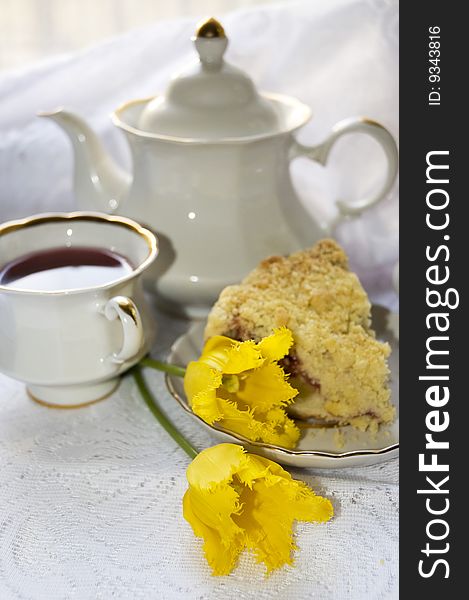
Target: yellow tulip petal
270, 509
207, 406
216, 465
221, 558
231, 356
278, 429
218, 343
211, 503
215, 508
310, 507
262, 467
200, 385
215, 351
240, 421
267, 387
255, 467
269, 536
276, 346
199, 378
243, 357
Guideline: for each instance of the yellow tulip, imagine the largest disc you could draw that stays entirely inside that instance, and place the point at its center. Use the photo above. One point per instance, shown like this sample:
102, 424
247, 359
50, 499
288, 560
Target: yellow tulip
241, 386
238, 501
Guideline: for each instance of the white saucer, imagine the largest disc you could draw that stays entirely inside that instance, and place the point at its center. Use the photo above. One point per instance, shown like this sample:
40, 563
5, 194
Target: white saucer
318, 447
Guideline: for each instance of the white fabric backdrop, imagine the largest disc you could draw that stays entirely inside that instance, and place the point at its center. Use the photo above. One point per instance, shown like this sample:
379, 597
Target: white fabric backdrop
90, 500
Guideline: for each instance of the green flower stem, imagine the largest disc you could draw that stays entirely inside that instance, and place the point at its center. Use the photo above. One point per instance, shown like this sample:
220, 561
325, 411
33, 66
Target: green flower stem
162, 366
159, 415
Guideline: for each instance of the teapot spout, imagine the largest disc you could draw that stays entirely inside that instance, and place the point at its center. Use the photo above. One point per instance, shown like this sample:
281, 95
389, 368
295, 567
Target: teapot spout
100, 184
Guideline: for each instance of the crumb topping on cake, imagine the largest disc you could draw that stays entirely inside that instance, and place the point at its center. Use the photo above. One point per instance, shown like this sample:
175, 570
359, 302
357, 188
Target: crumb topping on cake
336, 359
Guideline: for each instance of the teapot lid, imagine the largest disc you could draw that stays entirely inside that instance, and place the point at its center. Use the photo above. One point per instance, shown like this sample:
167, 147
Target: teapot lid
210, 99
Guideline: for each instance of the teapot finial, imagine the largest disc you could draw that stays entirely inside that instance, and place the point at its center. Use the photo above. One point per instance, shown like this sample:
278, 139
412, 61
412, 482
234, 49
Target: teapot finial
211, 42
210, 28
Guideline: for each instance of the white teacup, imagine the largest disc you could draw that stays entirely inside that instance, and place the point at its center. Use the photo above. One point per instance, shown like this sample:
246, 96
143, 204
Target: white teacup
69, 346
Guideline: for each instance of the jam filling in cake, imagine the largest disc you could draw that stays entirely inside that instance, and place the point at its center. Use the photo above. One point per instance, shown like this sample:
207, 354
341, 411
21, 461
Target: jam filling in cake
336, 362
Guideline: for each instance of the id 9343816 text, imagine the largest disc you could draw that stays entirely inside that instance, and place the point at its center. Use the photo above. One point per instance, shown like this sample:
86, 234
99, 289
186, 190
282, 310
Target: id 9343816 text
434, 69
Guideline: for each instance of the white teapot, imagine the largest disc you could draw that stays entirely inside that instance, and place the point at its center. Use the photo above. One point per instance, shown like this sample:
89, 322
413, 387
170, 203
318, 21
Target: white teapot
211, 174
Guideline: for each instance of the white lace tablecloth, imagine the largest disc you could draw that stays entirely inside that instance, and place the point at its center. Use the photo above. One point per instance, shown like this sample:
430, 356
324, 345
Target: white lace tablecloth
90, 499
91, 509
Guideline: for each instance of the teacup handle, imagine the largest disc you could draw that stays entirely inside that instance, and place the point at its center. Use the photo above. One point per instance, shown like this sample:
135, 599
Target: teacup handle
123, 308
321, 152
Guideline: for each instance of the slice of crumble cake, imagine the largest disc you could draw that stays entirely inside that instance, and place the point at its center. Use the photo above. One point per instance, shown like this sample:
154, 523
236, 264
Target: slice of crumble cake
336, 362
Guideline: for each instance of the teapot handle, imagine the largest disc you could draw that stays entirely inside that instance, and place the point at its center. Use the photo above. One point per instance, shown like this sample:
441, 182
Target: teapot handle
321, 152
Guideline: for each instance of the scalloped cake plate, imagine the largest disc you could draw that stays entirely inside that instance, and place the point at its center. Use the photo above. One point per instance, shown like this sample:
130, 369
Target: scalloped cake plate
319, 447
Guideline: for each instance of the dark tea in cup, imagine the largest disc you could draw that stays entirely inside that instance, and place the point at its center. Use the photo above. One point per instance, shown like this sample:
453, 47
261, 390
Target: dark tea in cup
64, 268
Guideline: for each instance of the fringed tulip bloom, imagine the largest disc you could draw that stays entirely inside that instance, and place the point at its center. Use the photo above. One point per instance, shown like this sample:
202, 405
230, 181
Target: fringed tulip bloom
240, 386
238, 500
